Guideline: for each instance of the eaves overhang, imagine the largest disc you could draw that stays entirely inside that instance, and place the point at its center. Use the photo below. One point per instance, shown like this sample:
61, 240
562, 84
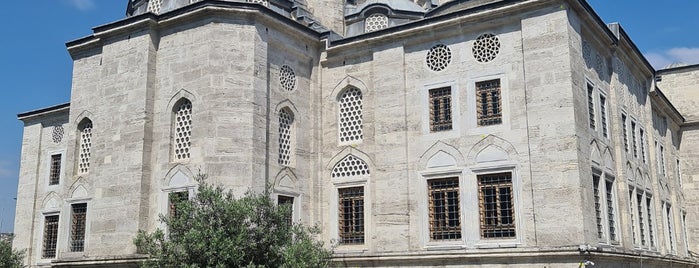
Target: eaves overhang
65, 107
680, 69
660, 101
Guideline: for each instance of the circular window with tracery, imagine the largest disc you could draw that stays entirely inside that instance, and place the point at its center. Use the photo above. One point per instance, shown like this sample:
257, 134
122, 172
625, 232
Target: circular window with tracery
438, 58
375, 22
486, 47
287, 78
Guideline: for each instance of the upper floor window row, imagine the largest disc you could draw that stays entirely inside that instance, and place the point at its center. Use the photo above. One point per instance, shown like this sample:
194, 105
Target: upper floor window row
488, 105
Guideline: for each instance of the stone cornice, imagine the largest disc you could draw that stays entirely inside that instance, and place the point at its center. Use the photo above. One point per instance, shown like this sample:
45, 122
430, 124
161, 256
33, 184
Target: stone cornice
65, 107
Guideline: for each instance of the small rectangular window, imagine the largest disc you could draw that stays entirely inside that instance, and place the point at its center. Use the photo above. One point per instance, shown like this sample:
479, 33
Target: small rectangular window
55, 172
670, 231
611, 214
496, 205
624, 133
351, 218
642, 135
603, 114
50, 236
174, 199
649, 214
598, 205
634, 141
287, 201
677, 171
440, 109
77, 227
591, 104
632, 206
641, 222
489, 102
662, 161
445, 215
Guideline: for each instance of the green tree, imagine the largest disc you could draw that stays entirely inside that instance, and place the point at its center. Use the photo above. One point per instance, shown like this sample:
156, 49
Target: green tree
8, 257
215, 229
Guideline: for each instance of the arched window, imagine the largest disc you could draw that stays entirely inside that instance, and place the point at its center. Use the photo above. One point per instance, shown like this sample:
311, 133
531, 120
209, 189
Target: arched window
286, 132
350, 200
182, 130
85, 145
350, 111
350, 166
154, 6
375, 22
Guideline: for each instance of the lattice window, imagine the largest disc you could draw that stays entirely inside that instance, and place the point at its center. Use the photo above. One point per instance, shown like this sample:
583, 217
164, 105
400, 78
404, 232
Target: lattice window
598, 205
50, 237
55, 172
350, 166
289, 202
287, 78
677, 172
634, 141
670, 230
351, 215
591, 104
632, 207
438, 58
603, 115
488, 99
261, 2
57, 134
611, 216
486, 47
77, 227
375, 22
174, 201
440, 109
641, 223
85, 147
286, 121
649, 214
642, 139
351, 117
661, 155
154, 6
444, 212
496, 205
183, 130
624, 132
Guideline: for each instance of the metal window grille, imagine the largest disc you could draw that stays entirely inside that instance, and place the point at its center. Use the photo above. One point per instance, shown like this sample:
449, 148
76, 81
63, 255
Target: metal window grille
287, 201
632, 206
634, 141
591, 105
496, 205
77, 227
598, 205
351, 212
609, 192
603, 114
50, 236
641, 223
649, 213
625, 133
444, 212
55, 173
174, 200
440, 109
489, 102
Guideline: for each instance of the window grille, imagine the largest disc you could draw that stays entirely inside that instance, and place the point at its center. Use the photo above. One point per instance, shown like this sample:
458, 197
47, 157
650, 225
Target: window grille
351, 210
598, 206
634, 141
641, 223
55, 172
261, 2
603, 114
496, 205
591, 105
183, 130
611, 218
77, 227
489, 102
649, 213
375, 22
287, 201
50, 236
154, 6
286, 121
486, 47
625, 133
350, 166
287, 78
632, 206
440, 109
642, 139
174, 200
662, 161
438, 57
445, 217
85, 147
670, 231
350, 124
677, 172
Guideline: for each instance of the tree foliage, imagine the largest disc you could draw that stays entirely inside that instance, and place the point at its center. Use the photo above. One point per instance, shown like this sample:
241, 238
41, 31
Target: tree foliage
215, 229
8, 257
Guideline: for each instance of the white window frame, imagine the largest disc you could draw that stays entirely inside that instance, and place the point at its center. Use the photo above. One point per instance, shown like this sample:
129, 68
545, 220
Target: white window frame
61, 176
471, 99
338, 99
65, 234
455, 109
472, 208
350, 182
40, 242
424, 219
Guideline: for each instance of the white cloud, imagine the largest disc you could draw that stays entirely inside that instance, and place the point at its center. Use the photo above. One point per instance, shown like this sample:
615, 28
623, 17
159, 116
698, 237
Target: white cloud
82, 5
683, 55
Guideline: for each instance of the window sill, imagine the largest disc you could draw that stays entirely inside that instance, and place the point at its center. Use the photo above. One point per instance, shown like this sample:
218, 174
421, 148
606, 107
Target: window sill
492, 245
434, 246
351, 249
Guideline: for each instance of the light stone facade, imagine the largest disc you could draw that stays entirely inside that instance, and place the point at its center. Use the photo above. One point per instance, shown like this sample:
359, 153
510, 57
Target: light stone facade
574, 188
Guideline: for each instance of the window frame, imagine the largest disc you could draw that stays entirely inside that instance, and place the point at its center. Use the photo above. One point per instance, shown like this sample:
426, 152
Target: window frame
434, 122
71, 207
80, 141
173, 130
291, 128
339, 117
603, 228
334, 217
61, 171
480, 116
603, 102
455, 109
474, 209
430, 208
42, 242
591, 105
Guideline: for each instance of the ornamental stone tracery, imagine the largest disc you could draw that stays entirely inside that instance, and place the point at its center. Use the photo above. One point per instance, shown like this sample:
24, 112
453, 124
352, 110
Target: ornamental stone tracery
486, 47
375, 22
287, 78
438, 57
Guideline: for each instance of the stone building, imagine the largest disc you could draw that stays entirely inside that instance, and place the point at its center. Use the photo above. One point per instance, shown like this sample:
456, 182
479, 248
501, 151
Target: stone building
495, 133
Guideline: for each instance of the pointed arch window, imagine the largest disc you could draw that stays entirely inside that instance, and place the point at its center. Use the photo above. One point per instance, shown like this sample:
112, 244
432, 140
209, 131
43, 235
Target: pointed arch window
182, 130
351, 117
286, 136
85, 146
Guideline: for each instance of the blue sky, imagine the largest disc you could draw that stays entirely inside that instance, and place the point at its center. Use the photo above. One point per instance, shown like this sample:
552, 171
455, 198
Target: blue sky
35, 67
